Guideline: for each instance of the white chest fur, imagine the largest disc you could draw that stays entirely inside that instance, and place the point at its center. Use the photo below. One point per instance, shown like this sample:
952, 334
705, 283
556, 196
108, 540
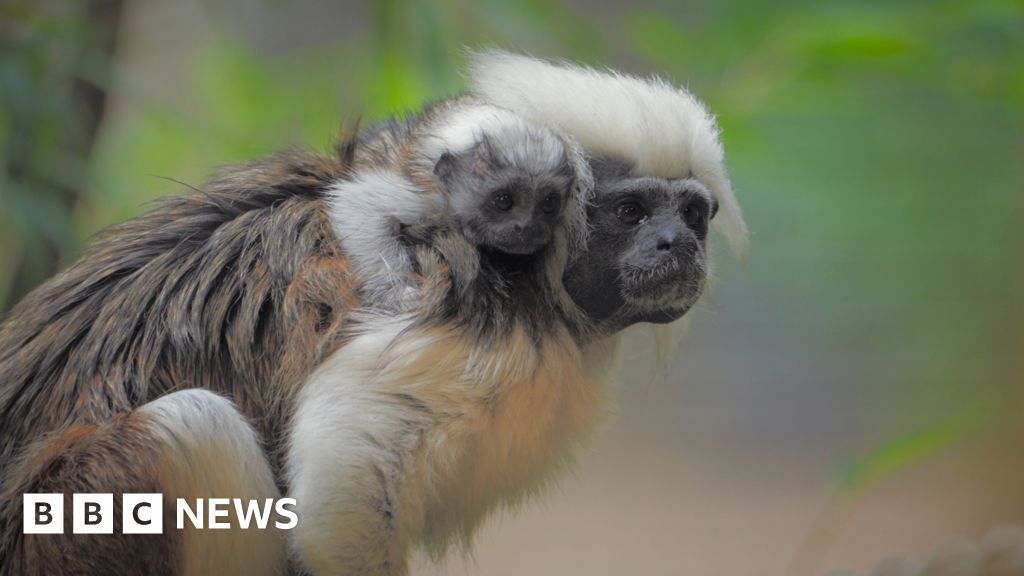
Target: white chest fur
411, 435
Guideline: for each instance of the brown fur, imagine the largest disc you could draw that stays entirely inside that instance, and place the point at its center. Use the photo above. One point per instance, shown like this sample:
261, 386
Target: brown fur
238, 288
115, 456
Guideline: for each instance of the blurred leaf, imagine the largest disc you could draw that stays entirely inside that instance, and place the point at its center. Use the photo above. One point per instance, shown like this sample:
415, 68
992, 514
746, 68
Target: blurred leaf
912, 448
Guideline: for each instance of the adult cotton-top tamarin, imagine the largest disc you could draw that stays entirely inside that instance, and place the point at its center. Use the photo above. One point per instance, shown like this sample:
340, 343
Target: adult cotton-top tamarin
219, 346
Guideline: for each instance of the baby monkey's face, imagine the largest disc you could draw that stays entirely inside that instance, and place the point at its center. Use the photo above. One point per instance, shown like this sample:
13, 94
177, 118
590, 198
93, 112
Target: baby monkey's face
513, 211
510, 201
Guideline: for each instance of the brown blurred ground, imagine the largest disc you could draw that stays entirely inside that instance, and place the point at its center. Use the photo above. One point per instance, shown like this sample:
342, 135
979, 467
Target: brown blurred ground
660, 497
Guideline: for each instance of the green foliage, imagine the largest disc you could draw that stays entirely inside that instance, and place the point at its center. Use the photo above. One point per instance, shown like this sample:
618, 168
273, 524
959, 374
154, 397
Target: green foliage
48, 58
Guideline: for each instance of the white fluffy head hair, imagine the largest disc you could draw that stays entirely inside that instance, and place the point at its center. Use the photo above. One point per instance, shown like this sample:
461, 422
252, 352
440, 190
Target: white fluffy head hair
517, 139
660, 129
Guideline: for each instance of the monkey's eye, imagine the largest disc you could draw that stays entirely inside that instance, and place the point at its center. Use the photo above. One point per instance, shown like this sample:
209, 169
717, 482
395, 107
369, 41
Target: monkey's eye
502, 200
695, 213
552, 202
630, 213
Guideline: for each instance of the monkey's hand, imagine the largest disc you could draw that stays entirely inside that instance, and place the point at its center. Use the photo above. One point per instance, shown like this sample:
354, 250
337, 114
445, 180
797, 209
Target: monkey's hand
441, 256
419, 233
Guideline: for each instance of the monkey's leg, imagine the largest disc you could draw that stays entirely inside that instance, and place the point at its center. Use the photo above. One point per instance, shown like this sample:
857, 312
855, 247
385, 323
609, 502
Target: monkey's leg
189, 444
351, 463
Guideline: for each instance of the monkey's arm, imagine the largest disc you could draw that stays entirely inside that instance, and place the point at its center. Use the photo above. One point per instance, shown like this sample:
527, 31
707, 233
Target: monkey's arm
370, 210
350, 451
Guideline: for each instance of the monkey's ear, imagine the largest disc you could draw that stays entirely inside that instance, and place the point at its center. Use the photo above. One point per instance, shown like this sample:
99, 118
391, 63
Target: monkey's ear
486, 160
485, 150
445, 166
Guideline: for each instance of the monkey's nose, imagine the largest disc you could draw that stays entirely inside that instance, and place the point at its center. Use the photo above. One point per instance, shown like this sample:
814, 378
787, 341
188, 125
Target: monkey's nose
526, 229
667, 242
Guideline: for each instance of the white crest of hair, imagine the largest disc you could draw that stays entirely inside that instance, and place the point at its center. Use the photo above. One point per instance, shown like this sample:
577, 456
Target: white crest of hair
516, 139
660, 129
364, 211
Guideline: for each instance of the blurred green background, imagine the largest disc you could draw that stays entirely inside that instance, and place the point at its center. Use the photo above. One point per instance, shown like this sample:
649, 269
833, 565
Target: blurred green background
851, 392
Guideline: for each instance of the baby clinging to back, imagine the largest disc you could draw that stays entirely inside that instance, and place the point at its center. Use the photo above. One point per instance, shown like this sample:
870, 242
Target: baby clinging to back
498, 182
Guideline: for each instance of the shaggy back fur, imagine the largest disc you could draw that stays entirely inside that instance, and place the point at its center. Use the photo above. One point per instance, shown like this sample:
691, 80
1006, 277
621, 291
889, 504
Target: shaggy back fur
230, 288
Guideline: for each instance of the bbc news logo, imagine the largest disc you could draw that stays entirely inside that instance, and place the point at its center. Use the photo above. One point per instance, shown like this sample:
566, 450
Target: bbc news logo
143, 513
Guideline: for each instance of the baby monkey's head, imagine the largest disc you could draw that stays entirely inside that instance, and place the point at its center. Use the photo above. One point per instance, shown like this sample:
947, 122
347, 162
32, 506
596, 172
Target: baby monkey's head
508, 189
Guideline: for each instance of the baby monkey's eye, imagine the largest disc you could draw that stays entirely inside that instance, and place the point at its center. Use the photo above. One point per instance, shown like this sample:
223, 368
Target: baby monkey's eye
552, 202
502, 200
630, 213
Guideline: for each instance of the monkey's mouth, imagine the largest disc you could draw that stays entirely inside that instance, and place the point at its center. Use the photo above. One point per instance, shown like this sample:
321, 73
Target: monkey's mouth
520, 247
509, 262
522, 243
670, 287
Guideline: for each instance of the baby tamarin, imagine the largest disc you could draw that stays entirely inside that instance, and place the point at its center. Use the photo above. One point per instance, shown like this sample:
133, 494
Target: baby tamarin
475, 174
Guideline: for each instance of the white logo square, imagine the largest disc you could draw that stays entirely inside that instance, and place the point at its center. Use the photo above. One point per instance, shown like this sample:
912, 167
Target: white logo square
142, 514
92, 514
43, 513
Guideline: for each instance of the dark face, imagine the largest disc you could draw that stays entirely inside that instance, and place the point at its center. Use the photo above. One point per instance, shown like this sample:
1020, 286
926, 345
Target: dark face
510, 207
645, 259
